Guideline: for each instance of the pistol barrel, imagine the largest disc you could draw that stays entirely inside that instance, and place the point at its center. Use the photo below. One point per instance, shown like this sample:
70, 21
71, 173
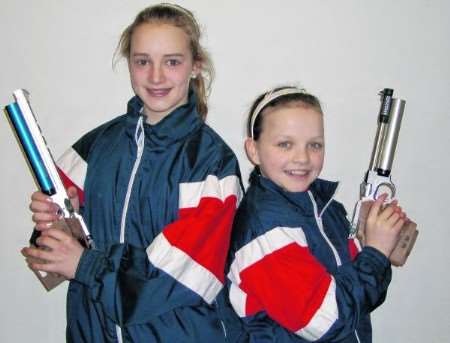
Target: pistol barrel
383, 120
386, 159
29, 148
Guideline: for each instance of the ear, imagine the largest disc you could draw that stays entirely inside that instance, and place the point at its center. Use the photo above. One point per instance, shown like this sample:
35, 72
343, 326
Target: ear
252, 151
196, 68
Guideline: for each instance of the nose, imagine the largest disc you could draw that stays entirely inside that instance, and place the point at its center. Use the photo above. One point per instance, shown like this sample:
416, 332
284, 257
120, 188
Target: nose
301, 155
156, 74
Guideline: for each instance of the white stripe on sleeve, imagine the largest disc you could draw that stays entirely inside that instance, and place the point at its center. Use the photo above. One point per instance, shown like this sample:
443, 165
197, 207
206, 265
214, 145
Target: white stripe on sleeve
183, 268
192, 192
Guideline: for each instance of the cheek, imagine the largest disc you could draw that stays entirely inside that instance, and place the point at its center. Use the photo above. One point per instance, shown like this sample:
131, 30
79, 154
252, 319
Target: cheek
318, 161
134, 76
182, 74
272, 160
182, 78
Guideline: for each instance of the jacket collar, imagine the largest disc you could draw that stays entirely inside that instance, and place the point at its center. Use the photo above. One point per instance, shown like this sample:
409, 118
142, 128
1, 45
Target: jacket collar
174, 127
321, 190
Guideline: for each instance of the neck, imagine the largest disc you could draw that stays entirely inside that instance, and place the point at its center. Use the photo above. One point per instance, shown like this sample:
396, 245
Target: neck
154, 118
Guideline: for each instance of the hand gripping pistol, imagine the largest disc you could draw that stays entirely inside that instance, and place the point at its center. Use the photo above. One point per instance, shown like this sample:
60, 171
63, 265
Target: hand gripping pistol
378, 177
34, 148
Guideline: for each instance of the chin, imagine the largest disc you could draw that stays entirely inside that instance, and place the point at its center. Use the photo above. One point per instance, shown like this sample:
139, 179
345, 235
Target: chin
296, 188
300, 190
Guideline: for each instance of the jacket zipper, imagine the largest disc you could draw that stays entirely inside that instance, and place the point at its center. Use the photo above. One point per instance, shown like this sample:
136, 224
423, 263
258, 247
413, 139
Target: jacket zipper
139, 139
224, 329
321, 230
357, 337
320, 225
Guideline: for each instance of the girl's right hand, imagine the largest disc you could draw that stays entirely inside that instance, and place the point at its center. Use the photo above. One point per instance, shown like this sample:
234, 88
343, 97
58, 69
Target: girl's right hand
45, 211
383, 225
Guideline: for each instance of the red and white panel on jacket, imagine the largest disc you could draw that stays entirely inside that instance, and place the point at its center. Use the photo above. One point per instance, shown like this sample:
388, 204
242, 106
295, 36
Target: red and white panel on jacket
72, 169
276, 273
193, 249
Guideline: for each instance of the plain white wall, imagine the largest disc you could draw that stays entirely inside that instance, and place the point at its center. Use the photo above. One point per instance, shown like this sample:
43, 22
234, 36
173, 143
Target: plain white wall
342, 51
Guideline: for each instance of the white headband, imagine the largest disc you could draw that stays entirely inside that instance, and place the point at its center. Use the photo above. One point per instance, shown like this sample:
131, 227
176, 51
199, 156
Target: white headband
272, 95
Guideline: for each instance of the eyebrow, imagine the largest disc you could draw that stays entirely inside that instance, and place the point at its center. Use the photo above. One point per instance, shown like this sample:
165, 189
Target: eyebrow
175, 55
143, 54
290, 137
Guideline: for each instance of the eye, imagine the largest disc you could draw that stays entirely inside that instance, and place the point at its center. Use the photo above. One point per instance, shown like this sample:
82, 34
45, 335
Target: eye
173, 62
141, 62
284, 145
316, 145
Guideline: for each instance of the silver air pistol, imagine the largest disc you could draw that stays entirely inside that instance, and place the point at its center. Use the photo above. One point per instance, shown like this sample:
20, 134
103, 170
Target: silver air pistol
378, 177
42, 165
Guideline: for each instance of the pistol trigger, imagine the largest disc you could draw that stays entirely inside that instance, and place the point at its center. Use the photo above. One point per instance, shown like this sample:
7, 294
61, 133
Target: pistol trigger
60, 213
385, 188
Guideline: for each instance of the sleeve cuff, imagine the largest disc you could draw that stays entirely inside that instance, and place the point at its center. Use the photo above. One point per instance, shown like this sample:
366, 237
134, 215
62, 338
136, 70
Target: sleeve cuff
378, 263
91, 263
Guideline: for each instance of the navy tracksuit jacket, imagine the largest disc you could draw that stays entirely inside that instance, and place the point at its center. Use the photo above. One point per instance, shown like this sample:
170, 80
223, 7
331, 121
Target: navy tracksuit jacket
159, 201
295, 275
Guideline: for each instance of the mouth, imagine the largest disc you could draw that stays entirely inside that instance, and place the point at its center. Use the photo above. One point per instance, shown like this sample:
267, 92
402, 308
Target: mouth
297, 173
158, 92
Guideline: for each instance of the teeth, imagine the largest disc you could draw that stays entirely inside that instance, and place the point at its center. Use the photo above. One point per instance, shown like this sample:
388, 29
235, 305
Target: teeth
158, 92
297, 172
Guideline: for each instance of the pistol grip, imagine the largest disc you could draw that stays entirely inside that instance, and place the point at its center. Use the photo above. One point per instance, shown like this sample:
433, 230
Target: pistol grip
408, 236
71, 226
405, 243
48, 280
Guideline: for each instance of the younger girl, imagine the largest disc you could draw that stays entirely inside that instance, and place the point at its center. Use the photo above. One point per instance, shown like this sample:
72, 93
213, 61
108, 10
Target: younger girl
158, 190
295, 274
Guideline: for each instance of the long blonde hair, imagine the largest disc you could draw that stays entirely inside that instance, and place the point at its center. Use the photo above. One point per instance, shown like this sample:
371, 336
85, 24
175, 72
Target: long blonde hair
184, 19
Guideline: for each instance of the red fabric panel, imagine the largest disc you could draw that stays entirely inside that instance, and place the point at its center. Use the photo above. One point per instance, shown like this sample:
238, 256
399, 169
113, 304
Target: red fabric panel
68, 182
204, 232
352, 247
289, 283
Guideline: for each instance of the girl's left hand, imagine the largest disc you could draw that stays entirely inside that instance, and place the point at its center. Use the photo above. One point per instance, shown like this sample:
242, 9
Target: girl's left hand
62, 256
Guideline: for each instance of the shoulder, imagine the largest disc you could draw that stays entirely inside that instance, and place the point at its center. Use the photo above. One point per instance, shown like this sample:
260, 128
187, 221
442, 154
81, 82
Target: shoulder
213, 141
205, 148
260, 211
85, 143
115, 125
338, 207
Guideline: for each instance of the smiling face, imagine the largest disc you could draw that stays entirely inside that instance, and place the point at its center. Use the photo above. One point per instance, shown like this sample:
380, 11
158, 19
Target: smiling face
161, 65
290, 149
